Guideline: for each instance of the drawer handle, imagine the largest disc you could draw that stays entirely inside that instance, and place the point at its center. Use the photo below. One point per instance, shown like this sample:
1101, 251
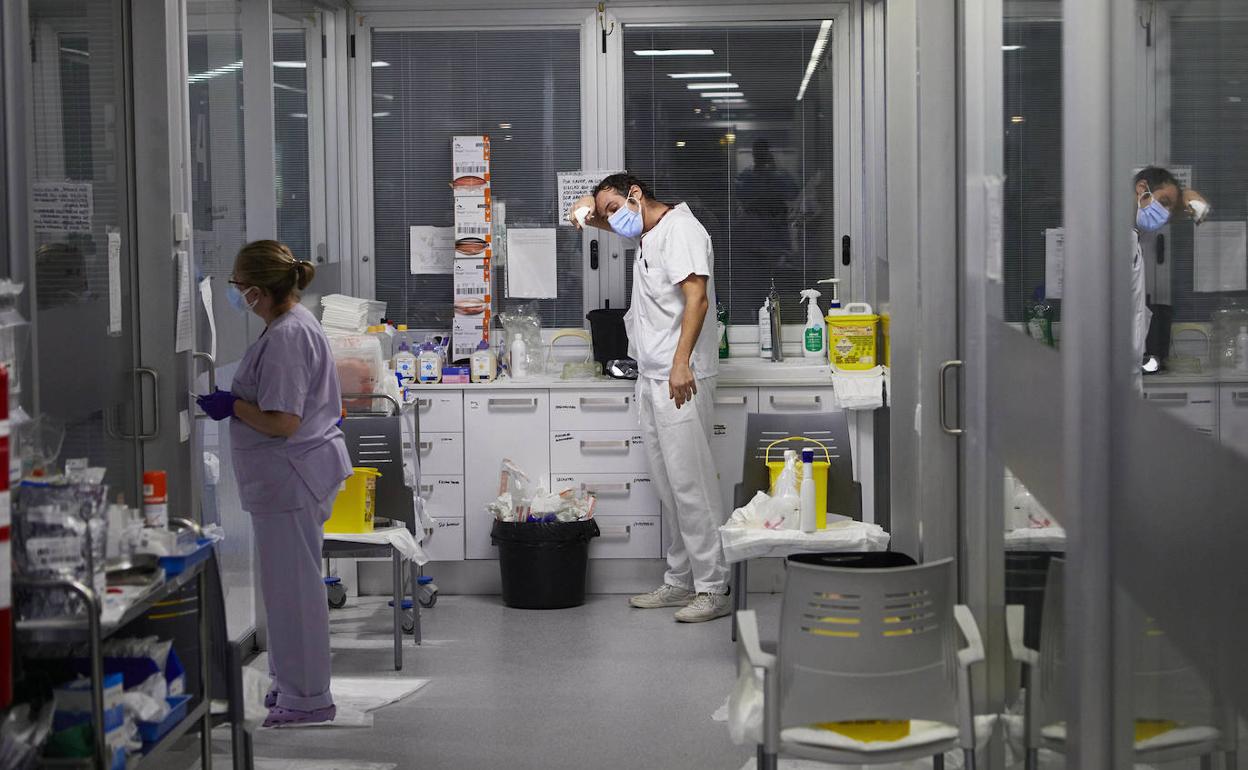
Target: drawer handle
796, 400
1239, 395
1171, 399
1205, 431
424, 403
601, 402
605, 446
426, 491
733, 401
625, 532
426, 446
624, 489
513, 402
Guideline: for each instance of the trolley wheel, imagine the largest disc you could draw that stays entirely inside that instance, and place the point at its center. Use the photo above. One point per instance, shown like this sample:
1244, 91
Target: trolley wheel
337, 596
428, 603
409, 623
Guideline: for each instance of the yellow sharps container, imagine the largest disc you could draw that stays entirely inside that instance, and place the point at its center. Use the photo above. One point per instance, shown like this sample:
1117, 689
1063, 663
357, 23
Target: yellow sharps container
852, 334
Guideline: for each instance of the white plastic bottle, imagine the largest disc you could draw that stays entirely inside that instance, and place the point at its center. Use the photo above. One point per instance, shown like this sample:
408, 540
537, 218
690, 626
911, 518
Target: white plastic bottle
764, 332
1241, 349
519, 362
815, 335
405, 364
484, 363
429, 365
809, 517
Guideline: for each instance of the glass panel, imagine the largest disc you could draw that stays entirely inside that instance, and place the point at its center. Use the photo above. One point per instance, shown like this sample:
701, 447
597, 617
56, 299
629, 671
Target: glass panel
748, 144
79, 157
520, 87
290, 120
218, 205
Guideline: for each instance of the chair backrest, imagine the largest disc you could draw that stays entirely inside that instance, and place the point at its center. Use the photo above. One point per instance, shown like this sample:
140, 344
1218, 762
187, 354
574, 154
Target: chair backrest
868, 644
829, 428
375, 441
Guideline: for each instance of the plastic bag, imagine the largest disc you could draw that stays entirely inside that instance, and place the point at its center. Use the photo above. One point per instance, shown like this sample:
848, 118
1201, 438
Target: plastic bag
22, 735
526, 323
745, 707
361, 367
255, 690
515, 494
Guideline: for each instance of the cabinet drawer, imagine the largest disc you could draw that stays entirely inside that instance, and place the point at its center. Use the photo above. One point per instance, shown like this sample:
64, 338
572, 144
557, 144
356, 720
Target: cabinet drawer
441, 411
443, 496
447, 543
1233, 417
619, 494
796, 400
593, 410
598, 451
626, 537
1193, 404
733, 407
441, 454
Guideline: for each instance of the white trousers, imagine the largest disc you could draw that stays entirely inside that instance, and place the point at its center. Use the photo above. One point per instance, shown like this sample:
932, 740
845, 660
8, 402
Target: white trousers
678, 445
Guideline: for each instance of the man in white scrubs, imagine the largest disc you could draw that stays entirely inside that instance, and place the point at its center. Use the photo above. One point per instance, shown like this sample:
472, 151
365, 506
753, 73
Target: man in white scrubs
1158, 196
672, 334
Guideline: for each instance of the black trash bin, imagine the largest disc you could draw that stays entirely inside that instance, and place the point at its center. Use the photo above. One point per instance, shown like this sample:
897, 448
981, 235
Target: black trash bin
609, 333
543, 566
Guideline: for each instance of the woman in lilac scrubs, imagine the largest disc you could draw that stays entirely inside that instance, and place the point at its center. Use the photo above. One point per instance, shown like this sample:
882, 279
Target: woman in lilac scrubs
290, 459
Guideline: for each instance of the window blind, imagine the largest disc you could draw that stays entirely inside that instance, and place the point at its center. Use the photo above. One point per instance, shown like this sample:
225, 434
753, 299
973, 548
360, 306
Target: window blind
726, 133
290, 123
520, 87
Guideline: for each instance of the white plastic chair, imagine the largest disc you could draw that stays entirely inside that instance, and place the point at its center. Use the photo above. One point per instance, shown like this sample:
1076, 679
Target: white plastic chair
866, 644
1165, 687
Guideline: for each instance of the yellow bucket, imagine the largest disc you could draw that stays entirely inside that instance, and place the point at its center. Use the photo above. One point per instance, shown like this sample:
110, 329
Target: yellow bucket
775, 468
851, 338
886, 338
356, 501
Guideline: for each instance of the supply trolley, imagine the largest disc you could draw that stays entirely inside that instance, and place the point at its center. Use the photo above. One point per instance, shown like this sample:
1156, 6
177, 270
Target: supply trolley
379, 444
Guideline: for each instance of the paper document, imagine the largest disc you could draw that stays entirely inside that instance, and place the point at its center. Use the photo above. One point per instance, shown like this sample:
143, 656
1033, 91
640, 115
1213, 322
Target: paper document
205, 296
114, 283
432, 250
531, 272
574, 185
1054, 261
182, 333
994, 228
61, 207
1221, 256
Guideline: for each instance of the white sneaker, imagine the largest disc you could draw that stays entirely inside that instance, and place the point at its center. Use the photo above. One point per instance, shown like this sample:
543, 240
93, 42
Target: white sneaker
705, 607
663, 596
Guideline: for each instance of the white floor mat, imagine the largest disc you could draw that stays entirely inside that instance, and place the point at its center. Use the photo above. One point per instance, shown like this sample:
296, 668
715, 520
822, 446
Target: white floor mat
358, 697
222, 760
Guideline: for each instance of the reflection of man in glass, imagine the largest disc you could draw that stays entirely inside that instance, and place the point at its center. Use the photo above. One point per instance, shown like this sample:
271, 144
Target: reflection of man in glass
1158, 197
764, 193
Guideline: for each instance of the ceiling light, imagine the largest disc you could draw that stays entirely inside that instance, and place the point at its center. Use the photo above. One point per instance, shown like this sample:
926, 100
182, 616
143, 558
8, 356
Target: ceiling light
381, 64
387, 97
705, 86
290, 65
199, 77
292, 89
721, 93
507, 138
1017, 119
697, 110
676, 52
381, 114
680, 144
302, 115
691, 75
75, 51
816, 53
1012, 47
729, 101
504, 125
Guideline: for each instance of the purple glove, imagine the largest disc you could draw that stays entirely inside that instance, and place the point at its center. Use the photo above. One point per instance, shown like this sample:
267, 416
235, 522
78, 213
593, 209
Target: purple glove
219, 405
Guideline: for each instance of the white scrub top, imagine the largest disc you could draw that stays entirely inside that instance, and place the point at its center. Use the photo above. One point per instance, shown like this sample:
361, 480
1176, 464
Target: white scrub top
1142, 316
677, 247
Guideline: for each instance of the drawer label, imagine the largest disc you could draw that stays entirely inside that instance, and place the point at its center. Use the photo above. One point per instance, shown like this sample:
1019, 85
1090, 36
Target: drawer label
565, 407
721, 430
644, 523
448, 482
452, 524
560, 437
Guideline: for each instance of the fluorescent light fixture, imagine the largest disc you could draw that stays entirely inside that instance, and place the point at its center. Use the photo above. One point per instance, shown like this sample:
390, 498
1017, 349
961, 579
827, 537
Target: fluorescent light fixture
680, 144
676, 52
729, 101
705, 86
1012, 47
290, 65
301, 115
292, 89
1017, 119
504, 125
816, 53
387, 97
507, 138
692, 75
200, 77
381, 64
75, 51
381, 114
721, 93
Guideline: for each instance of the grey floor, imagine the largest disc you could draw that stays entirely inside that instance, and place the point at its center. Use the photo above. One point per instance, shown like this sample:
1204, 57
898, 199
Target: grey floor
599, 686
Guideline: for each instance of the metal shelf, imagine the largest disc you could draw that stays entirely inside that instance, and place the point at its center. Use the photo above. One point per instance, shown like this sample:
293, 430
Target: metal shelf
136, 761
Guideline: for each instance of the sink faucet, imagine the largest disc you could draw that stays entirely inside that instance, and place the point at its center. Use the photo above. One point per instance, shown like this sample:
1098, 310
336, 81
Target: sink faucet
777, 325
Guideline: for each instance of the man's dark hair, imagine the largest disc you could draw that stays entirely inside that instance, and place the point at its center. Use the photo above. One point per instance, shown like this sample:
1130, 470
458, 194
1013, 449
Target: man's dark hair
1156, 176
622, 183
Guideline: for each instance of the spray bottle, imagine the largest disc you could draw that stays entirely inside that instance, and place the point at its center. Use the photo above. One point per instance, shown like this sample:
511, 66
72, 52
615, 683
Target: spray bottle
764, 331
815, 335
810, 517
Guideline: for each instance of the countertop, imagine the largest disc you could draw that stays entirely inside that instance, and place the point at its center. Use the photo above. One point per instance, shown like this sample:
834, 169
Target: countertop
1185, 378
733, 373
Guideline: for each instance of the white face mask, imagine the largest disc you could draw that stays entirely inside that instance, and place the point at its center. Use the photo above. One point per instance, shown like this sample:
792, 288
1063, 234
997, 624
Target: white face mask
239, 299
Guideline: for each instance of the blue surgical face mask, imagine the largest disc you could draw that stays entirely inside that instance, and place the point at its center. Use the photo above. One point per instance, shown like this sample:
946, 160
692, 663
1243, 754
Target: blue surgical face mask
239, 299
626, 222
1152, 217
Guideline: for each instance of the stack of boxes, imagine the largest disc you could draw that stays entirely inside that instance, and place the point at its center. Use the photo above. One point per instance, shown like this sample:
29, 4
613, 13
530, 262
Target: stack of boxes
470, 160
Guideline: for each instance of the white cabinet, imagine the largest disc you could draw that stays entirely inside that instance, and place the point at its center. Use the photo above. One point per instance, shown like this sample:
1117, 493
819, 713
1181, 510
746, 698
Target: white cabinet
626, 537
618, 494
1194, 404
796, 400
443, 496
733, 407
593, 410
447, 543
598, 451
1233, 416
499, 424
441, 411
441, 454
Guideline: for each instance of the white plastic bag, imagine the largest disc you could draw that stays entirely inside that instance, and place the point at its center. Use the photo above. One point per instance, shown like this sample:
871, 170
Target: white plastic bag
255, 690
745, 707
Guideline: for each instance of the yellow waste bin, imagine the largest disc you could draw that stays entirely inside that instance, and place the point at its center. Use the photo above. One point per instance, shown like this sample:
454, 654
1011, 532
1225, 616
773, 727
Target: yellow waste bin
355, 504
776, 467
852, 338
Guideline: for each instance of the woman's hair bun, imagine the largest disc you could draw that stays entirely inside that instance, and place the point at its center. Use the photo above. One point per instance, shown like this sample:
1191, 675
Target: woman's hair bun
307, 271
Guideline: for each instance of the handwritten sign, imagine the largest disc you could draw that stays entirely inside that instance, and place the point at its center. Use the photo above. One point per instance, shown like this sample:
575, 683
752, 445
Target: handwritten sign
62, 207
574, 185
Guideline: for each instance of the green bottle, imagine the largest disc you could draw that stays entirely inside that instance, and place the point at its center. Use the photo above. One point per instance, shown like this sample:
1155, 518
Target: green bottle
1040, 319
721, 321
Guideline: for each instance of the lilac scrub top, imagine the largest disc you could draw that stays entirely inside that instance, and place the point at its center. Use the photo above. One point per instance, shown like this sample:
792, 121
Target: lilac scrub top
290, 369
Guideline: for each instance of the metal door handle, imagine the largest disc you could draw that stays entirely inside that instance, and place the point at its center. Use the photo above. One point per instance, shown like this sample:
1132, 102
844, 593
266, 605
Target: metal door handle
510, 402
605, 445
621, 402
1239, 396
625, 532
426, 491
734, 401
944, 407
424, 402
143, 371
795, 400
426, 446
608, 489
212, 368
1172, 399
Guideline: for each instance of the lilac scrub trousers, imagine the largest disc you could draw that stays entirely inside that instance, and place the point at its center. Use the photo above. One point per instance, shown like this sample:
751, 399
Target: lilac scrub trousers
288, 486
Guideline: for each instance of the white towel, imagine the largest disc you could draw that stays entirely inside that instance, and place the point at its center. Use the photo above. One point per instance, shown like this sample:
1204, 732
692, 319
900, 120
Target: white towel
859, 390
397, 537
